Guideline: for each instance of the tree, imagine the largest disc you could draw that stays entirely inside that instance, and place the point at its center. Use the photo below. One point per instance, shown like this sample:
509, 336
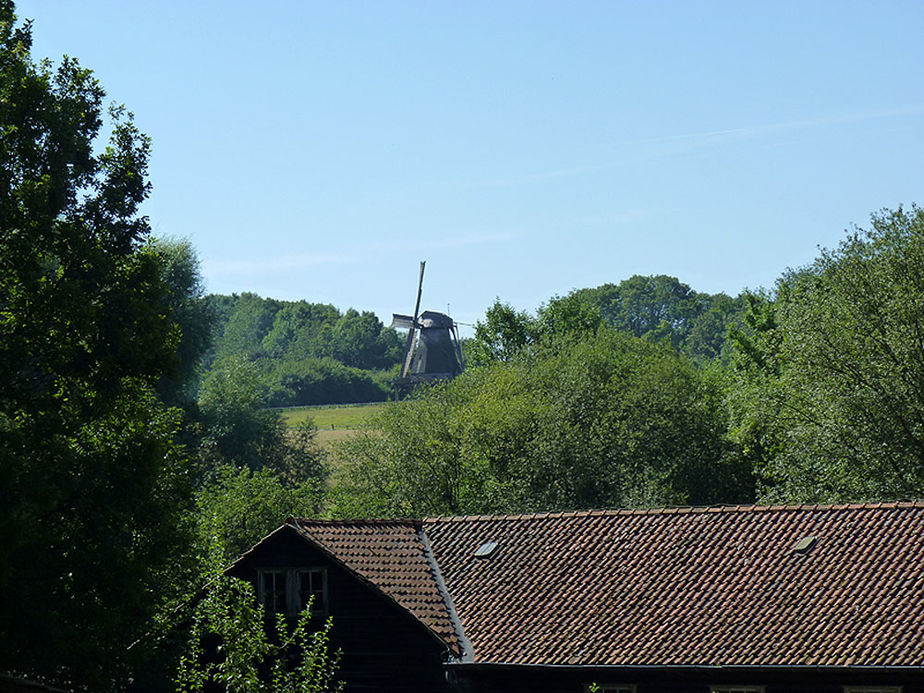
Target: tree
188, 308
239, 507
238, 429
641, 304
301, 330
360, 340
569, 315
661, 308
502, 334
836, 368
247, 327
92, 484
602, 420
232, 645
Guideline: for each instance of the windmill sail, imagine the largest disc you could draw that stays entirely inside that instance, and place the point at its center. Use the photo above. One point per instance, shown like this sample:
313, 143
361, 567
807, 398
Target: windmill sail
433, 350
402, 322
413, 328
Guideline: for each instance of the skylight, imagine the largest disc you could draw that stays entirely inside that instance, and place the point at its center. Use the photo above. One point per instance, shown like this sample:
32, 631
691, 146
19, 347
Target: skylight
804, 544
486, 549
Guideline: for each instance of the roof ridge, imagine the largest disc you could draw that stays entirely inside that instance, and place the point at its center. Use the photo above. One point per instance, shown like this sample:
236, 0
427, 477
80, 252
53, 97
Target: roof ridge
385, 522
676, 510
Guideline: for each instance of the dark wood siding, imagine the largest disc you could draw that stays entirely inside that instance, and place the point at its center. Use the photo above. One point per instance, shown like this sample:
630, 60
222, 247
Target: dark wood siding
500, 679
384, 647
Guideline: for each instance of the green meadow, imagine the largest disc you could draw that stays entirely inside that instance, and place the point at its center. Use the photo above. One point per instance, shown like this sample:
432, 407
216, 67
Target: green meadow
333, 422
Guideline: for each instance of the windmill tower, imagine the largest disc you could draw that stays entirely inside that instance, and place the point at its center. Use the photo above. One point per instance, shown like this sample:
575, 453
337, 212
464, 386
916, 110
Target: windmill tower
433, 348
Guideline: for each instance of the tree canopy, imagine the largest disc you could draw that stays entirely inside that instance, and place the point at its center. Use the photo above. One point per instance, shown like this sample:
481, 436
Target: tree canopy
306, 353
604, 419
91, 480
832, 370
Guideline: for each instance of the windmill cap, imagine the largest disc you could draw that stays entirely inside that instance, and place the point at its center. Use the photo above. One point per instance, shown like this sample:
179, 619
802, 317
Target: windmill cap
430, 318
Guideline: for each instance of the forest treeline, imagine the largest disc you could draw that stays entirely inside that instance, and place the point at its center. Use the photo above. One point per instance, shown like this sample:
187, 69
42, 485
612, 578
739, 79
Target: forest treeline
138, 454
303, 353
647, 393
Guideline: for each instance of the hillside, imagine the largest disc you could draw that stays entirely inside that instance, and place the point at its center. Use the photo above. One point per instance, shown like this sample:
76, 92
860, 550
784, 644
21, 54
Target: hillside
304, 353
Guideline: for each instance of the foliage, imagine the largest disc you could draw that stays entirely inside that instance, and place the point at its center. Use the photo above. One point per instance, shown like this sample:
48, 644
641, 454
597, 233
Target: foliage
661, 308
238, 429
193, 315
293, 382
307, 353
238, 507
567, 316
835, 369
657, 308
92, 482
600, 421
231, 645
501, 335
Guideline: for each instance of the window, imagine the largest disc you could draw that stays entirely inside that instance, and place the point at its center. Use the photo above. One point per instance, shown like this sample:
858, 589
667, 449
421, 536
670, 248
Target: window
271, 590
312, 583
872, 689
288, 590
736, 689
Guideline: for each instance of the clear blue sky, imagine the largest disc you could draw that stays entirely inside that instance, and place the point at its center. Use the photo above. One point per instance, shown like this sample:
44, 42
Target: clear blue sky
319, 150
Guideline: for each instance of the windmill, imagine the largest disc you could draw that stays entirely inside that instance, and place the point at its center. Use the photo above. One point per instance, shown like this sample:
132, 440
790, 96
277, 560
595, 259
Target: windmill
433, 349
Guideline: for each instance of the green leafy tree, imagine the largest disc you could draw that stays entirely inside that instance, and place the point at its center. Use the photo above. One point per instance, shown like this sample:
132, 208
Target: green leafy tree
324, 381
235, 646
238, 507
301, 330
194, 316
641, 304
92, 484
249, 323
237, 428
569, 315
502, 334
606, 420
356, 341
661, 308
837, 369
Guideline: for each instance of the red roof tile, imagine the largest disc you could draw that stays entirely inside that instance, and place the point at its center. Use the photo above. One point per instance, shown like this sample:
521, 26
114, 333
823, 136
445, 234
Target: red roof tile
391, 556
679, 586
691, 586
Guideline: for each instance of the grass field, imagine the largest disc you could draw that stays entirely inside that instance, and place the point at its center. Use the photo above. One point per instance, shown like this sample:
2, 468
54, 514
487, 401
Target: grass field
347, 416
334, 423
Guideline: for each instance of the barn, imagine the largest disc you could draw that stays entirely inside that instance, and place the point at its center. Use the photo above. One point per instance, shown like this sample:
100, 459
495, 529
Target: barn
731, 599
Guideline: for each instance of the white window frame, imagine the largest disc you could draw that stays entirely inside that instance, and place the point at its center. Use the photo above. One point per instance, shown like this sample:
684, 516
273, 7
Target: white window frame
737, 689
872, 689
292, 585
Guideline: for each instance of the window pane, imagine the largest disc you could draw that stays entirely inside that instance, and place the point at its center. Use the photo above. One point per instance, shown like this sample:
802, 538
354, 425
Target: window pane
311, 584
273, 591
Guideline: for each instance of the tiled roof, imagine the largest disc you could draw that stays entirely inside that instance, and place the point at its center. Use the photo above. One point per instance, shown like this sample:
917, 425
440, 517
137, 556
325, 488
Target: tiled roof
392, 557
702, 586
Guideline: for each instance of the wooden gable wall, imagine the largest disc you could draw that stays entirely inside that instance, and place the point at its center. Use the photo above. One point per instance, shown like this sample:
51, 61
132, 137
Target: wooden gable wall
384, 647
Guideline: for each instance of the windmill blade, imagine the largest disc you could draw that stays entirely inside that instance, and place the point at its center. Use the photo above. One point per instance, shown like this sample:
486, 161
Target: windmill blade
403, 322
413, 329
423, 264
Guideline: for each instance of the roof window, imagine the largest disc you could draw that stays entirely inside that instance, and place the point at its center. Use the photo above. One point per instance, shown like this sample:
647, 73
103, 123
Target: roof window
486, 549
804, 545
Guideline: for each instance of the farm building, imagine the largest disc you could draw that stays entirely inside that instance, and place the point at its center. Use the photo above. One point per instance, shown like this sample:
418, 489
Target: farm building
722, 599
